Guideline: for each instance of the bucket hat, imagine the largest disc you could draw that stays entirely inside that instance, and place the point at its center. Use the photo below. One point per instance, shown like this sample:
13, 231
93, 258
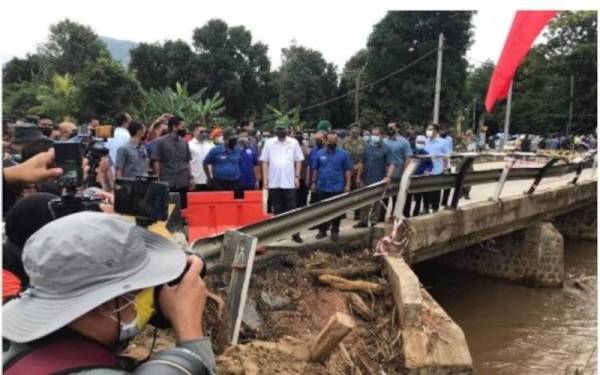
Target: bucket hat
81, 261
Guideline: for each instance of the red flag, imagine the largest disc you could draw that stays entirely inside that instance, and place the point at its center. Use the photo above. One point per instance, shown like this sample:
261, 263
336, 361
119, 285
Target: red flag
525, 28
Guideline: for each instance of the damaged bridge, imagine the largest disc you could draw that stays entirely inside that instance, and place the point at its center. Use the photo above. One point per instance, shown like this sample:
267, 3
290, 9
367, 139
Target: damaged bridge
512, 229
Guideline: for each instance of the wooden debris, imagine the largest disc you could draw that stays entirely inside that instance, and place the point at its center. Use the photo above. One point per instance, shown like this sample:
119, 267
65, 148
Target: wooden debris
348, 359
350, 272
338, 326
359, 306
351, 285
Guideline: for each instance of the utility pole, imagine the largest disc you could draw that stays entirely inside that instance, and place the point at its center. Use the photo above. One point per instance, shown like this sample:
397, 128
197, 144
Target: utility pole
438, 81
356, 88
507, 116
571, 106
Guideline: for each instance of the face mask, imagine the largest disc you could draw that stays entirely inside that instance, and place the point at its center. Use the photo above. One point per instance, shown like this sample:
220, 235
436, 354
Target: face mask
144, 309
443, 135
243, 140
201, 136
319, 143
429, 133
331, 146
420, 146
366, 138
232, 142
181, 132
219, 140
281, 133
375, 139
391, 132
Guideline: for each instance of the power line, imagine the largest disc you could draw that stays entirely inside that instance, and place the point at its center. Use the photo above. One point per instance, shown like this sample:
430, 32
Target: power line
351, 92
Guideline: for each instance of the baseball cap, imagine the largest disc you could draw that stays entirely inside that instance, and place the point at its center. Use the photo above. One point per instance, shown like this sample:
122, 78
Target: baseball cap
324, 125
79, 262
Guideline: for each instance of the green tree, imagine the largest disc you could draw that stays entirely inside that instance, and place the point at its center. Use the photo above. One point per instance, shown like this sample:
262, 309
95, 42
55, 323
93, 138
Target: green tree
162, 65
107, 89
70, 47
20, 70
19, 98
230, 63
305, 79
345, 111
401, 38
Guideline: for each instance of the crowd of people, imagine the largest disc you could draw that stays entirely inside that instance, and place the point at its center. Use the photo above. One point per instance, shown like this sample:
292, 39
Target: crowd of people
91, 281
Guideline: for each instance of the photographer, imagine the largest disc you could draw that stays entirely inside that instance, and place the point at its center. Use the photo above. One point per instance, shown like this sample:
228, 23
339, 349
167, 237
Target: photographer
83, 305
37, 169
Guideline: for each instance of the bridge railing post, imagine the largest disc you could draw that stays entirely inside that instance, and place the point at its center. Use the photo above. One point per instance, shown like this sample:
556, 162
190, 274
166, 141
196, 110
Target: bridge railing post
541, 174
460, 179
505, 171
404, 185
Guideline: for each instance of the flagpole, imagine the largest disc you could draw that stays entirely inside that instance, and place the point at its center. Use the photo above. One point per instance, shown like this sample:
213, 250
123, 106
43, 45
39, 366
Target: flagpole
507, 116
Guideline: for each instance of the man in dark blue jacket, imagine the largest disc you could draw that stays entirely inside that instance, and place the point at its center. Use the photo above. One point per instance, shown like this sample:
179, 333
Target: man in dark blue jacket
223, 165
333, 169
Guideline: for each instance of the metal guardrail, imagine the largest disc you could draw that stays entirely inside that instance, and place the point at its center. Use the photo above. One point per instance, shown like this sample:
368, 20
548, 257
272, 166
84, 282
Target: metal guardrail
286, 224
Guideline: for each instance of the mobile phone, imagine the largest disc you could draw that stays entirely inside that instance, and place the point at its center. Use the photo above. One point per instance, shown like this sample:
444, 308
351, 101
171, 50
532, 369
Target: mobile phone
69, 157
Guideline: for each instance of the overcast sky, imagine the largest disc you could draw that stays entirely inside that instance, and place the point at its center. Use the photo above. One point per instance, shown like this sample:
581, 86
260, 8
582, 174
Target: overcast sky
335, 28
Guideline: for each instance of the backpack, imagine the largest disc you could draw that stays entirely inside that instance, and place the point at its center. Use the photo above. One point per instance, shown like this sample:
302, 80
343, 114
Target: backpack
61, 355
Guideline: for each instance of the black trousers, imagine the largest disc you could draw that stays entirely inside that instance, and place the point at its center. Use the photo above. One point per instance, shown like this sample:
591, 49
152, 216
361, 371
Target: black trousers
407, 204
333, 224
446, 193
202, 187
230, 185
182, 194
302, 195
432, 199
282, 200
418, 197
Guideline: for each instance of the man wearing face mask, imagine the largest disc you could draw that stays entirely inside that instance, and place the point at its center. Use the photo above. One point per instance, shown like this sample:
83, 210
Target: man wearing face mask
333, 169
401, 151
376, 164
354, 146
200, 146
84, 305
172, 158
281, 159
318, 143
435, 146
250, 167
223, 165
445, 135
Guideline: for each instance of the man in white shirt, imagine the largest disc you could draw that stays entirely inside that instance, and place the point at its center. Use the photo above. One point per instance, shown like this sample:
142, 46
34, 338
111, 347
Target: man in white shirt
281, 158
120, 137
200, 145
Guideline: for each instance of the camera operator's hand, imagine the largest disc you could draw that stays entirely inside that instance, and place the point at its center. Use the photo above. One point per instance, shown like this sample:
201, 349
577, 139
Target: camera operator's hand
183, 304
37, 169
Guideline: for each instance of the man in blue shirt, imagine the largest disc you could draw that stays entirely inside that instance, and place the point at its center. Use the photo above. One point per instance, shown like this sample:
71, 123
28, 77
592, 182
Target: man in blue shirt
376, 165
435, 146
401, 151
333, 170
223, 165
445, 135
318, 143
250, 170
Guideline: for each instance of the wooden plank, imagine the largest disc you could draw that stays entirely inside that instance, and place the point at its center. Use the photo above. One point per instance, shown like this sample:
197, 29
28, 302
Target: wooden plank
406, 290
338, 326
243, 261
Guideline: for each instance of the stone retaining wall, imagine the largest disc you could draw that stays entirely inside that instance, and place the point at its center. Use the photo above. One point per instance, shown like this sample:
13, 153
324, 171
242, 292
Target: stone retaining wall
533, 256
581, 224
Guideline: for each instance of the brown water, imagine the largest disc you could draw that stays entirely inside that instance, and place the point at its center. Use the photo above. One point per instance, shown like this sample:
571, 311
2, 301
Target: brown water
514, 329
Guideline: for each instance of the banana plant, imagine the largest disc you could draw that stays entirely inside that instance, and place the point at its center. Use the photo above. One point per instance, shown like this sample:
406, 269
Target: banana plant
60, 100
211, 109
279, 116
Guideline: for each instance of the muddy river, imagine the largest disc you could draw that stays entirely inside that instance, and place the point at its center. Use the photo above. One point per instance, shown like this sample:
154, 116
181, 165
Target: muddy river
514, 329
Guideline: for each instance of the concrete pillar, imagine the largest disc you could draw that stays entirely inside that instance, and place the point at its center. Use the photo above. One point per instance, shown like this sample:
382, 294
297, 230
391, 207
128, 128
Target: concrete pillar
533, 256
580, 224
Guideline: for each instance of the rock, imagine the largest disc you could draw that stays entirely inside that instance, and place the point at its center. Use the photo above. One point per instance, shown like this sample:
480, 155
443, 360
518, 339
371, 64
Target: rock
251, 317
274, 302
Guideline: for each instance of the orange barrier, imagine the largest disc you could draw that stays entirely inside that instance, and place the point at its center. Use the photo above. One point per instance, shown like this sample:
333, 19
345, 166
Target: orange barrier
209, 213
